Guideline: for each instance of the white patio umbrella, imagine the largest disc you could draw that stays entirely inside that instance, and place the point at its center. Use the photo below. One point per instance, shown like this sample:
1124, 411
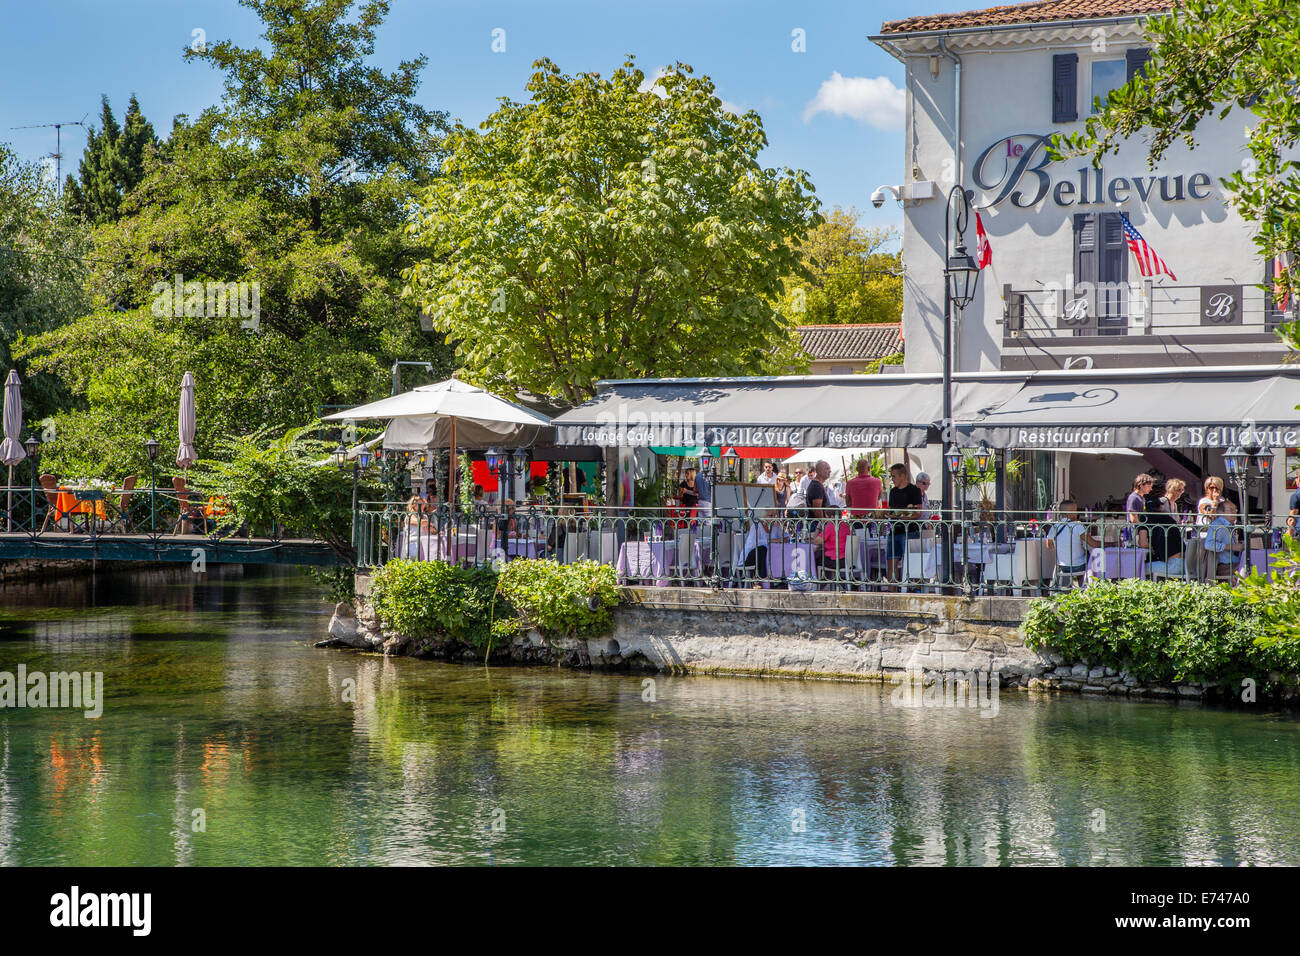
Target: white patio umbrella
185, 453
11, 449
414, 415
829, 455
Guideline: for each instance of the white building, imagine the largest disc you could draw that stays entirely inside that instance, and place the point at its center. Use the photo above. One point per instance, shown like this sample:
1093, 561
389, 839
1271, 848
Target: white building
985, 89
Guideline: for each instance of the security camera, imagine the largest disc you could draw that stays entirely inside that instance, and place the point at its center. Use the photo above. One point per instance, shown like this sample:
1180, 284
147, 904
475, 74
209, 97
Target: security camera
878, 197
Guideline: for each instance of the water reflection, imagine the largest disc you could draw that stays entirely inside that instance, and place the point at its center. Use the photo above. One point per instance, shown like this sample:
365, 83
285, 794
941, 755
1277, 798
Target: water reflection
226, 739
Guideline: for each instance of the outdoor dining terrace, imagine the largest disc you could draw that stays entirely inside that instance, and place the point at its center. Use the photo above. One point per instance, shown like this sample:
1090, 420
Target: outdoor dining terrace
1019, 554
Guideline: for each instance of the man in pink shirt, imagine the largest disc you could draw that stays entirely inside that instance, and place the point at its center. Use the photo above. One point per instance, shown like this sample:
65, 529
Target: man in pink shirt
863, 492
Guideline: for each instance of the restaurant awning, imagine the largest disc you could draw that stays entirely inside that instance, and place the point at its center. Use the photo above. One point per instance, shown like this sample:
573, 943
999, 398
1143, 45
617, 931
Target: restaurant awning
1165, 408
846, 411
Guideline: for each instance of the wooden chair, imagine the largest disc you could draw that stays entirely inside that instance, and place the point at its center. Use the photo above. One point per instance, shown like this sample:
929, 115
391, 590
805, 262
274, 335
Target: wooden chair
50, 485
123, 521
191, 507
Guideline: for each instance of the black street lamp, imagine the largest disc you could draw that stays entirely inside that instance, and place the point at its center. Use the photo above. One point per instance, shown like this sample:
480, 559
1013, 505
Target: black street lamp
708, 466
1236, 462
960, 278
151, 449
33, 448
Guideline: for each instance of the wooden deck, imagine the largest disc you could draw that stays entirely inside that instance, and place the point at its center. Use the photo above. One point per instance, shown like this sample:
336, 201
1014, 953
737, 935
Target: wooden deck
173, 548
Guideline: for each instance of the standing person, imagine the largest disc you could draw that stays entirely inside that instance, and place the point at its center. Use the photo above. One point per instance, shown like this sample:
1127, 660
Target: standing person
816, 492
1136, 505
768, 476
905, 511
863, 491
703, 493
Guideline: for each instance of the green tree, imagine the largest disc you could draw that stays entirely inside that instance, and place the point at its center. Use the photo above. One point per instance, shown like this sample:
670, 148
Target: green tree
112, 165
41, 273
1209, 58
603, 229
854, 277
296, 185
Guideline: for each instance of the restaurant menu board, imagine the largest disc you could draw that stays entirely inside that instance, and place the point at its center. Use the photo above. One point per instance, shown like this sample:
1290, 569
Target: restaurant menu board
735, 499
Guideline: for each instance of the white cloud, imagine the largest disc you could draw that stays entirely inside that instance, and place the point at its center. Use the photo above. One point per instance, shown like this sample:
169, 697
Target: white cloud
876, 102
651, 83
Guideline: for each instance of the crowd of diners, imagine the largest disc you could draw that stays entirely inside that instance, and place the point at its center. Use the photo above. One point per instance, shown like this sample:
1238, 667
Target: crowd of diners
1181, 535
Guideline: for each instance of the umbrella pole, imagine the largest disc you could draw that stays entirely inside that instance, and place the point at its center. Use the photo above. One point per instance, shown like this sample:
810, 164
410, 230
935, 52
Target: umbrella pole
453, 472
9, 506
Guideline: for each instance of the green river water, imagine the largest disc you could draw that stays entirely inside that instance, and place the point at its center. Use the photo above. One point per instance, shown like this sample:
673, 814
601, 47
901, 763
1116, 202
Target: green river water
215, 701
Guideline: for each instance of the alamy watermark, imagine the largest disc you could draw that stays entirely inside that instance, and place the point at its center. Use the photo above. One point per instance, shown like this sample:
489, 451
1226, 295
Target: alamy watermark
78, 690
208, 300
952, 689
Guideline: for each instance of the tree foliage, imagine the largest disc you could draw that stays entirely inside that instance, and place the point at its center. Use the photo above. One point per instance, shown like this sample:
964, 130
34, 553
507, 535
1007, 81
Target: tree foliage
608, 228
854, 276
41, 273
298, 181
1212, 58
112, 164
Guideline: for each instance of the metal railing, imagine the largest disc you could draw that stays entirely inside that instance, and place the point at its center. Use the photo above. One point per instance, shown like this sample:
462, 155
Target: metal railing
1140, 308
1013, 553
38, 512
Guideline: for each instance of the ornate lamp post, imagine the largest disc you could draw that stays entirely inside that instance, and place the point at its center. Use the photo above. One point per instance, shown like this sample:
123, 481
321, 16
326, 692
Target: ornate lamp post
961, 276
33, 448
151, 449
1237, 461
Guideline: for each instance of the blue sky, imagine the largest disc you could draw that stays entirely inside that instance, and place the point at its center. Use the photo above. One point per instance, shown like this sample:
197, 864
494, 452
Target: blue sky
833, 110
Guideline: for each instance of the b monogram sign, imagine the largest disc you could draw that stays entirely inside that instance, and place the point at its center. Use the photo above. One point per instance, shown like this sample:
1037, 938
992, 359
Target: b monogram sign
1220, 305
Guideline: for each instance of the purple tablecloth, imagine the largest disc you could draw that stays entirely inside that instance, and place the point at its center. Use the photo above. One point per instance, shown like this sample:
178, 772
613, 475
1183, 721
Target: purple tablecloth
1115, 563
1260, 559
646, 560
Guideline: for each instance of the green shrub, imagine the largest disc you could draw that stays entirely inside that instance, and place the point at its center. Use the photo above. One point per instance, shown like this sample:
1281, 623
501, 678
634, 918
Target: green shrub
1157, 631
554, 597
1276, 600
438, 601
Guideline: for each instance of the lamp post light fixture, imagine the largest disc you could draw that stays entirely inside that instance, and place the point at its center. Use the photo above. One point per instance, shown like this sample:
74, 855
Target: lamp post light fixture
731, 461
33, 448
1236, 462
151, 449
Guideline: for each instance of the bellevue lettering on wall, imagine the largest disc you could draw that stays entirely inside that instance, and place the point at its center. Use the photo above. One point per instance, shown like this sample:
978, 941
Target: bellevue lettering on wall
1017, 168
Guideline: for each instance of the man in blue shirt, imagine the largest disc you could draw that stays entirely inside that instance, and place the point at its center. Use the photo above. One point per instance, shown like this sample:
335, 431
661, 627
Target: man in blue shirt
1294, 508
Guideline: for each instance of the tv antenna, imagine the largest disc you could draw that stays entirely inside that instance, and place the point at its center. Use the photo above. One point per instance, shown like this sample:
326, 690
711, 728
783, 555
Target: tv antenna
58, 145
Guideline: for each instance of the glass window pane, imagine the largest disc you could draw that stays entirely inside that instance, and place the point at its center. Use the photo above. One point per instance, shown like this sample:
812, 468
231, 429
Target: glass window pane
1107, 75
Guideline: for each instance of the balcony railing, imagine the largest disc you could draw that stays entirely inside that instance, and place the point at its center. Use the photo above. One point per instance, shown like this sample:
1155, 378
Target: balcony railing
1141, 308
1017, 554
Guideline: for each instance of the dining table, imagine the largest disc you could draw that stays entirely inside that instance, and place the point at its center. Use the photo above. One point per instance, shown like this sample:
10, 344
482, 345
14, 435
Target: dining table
654, 561
1118, 562
1258, 559
89, 503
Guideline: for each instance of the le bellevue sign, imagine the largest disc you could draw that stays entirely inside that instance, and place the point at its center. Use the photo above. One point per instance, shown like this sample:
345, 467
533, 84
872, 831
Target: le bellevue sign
1017, 168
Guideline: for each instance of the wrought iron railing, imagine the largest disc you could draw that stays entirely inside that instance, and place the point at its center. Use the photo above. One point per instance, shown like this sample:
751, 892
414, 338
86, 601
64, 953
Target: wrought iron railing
1018, 554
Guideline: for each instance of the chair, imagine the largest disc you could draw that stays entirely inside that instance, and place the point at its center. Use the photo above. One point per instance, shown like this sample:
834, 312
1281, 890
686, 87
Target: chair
50, 485
191, 508
123, 521
920, 562
684, 556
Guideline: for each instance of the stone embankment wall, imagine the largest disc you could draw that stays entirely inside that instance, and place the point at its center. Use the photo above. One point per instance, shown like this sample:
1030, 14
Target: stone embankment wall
849, 636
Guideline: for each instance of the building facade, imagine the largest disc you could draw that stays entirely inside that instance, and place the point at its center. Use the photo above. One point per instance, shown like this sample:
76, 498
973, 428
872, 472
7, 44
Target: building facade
985, 91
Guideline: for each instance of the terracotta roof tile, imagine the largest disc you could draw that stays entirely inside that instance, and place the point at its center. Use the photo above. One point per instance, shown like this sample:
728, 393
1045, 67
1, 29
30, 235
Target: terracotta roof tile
1041, 11
868, 342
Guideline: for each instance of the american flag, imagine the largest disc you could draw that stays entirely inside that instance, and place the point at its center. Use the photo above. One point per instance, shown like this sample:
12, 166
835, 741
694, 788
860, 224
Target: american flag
1149, 264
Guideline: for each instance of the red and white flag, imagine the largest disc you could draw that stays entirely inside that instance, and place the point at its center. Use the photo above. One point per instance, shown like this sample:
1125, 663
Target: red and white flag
1281, 298
983, 251
1149, 264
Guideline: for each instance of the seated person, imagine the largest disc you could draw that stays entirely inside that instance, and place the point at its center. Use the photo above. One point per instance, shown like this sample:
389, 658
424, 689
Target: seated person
507, 523
754, 552
1070, 540
1217, 540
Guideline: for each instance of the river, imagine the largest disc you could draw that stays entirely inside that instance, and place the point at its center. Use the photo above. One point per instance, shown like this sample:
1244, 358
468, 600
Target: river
226, 738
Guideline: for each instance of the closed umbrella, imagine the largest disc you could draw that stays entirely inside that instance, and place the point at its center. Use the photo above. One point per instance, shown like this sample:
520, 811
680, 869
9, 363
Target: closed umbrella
185, 454
11, 450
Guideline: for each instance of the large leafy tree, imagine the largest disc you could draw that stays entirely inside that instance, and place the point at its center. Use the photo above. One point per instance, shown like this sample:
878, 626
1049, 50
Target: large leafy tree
854, 276
41, 273
605, 228
298, 181
112, 165
1209, 58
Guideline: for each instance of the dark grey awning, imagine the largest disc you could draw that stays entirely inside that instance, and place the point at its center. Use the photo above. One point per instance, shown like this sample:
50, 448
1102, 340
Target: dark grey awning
1181, 408
792, 412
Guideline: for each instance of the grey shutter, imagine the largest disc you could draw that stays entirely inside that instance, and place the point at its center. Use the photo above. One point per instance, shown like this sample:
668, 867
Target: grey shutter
1065, 87
1136, 62
1086, 267
1113, 256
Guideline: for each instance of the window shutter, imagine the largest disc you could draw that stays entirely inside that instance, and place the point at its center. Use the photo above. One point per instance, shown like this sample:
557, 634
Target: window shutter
1085, 247
1136, 62
1065, 87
